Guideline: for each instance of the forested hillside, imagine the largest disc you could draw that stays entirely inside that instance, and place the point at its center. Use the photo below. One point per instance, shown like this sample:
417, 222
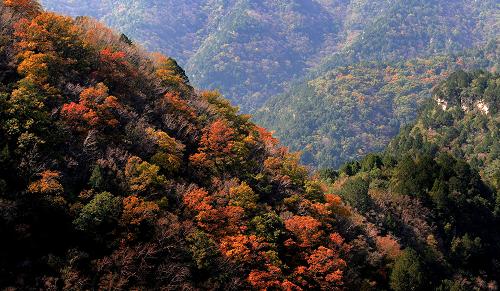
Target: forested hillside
281, 59
116, 174
349, 111
462, 120
359, 97
250, 49
435, 191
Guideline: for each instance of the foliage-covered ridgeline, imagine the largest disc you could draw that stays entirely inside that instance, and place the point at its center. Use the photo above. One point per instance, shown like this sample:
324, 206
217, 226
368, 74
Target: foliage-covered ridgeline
173, 27
353, 72
349, 111
462, 120
433, 194
251, 50
116, 174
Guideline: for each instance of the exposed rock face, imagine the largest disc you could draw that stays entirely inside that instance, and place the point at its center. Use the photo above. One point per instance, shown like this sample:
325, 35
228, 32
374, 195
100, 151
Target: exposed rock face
483, 107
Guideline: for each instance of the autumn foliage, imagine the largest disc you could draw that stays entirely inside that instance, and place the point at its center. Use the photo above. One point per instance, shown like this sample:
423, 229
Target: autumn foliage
94, 109
47, 184
27, 8
137, 211
117, 174
305, 228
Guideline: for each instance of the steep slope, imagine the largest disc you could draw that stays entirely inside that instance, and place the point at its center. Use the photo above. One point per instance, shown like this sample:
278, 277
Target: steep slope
353, 31
462, 119
254, 50
258, 48
434, 191
116, 174
259, 45
251, 49
347, 112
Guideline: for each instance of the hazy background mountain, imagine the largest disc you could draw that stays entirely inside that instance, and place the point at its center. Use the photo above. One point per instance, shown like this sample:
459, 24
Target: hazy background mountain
282, 59
116, 173
247, 49
348, 111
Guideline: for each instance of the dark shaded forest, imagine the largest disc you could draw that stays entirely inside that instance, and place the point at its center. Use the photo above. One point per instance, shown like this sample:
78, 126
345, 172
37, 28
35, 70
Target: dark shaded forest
116, 173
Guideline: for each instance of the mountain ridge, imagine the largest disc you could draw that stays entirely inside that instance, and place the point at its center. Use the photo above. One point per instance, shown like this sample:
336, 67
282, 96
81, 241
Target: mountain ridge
258, 53
303, 35
116, 173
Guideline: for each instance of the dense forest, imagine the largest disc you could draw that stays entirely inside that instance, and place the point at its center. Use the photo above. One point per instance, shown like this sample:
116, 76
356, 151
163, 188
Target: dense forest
247, 49
462, 120
350, 111
117, 174
435, 191
251, 49
274, 58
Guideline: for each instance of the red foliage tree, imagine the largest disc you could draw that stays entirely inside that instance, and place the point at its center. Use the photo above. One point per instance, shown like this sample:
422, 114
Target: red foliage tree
267, 138
217, 150
325, 267
96, 109
305, 228
218, 138
263, 280
115, 69
198, 200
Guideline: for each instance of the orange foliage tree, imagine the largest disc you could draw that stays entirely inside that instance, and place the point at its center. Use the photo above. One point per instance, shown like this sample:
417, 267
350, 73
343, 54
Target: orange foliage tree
216, 148
179, 105
245, 249
198, 200
170, 74
47, 46
96, 109
325, 267
217, 138
212, 214
47, 184
137, 211
264, 280
306, 229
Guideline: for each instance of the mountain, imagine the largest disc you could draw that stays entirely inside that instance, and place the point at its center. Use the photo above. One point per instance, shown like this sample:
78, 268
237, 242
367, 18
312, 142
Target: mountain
434, 192
247, 49
356, 99
349, 111
251, 49
171, 27
115, 173
280, 59
462, 120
